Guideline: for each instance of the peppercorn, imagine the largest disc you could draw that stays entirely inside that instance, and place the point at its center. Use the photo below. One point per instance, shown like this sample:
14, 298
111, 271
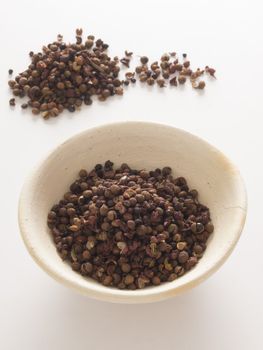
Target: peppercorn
210, 71
150, 81
165, 57
12, 102
144, 59
181, 79
138, 69
125, 61
201, 85
143, 77
173, 81
35, 111
183, 257
161, 83
166, 74
178, 67
128, 53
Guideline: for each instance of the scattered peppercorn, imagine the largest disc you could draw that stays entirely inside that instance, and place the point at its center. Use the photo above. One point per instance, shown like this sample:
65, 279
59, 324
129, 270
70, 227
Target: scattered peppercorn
128, 53
150, 81
181, 79
201, 85
66, 76
130, 228
174, 71
10, 71
144, 59
125, 61
63, 76
173, 81
161, 83
210, 71
12, 102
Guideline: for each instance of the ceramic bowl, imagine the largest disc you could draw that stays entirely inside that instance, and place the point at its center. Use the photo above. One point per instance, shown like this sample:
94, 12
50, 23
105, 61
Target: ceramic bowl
141, 145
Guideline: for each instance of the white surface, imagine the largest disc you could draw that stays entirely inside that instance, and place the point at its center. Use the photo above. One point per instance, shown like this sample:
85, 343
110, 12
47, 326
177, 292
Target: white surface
217, 179
225, 312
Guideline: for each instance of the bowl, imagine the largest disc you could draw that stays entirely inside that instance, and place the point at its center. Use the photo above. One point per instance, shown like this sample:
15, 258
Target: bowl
141, 145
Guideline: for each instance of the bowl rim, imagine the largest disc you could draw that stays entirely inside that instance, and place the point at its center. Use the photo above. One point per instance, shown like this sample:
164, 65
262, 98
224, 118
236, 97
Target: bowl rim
112, 294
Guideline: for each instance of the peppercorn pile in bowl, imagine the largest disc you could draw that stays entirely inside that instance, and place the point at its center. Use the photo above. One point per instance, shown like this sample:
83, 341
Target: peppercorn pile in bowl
129, 228
137, 218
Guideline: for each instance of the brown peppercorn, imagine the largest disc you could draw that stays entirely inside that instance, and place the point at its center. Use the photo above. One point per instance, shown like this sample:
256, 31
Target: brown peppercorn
83, 173
74, 228
112, 215
198, 249
172, 277
23, 81
139, 69
87, 193
11, 83
143, 77
86, 268
129, 279
75, 266
164, 65
86, 255
181, 79
118, 91
181, 245
104, 210
156, 281
125, 267
115, 189
107, 281
35, 111
89, 43
201, 85
12, 102
165, 57
161, 83
60, 86
144, 59
210, 71
183, 257
173, 81
128, 53
197, 227
150, 81
178, 67
166, 74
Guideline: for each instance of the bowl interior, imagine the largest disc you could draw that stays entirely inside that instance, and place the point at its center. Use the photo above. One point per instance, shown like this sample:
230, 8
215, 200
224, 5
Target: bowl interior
141, 145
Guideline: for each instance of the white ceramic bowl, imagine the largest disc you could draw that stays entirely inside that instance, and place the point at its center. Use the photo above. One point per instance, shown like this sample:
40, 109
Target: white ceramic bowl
141, 145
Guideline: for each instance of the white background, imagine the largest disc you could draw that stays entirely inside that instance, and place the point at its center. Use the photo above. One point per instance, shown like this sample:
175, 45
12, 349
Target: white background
225, 312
